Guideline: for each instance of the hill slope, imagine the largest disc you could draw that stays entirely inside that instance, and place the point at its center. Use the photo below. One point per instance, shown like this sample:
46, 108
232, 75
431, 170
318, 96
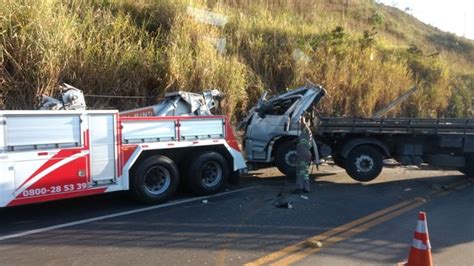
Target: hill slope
363, 53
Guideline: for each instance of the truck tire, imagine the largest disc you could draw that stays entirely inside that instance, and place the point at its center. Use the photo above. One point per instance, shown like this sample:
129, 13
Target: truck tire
208, 173
338, 160
155, 180
364, 163
468, 170
285, 158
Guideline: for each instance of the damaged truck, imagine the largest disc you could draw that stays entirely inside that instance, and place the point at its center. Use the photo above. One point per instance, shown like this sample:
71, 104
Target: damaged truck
272, 128
359, 145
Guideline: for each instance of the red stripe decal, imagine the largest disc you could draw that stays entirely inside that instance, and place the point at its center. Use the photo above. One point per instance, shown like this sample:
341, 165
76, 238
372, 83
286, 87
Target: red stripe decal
229, 136
63, 154
58, 184
127, 152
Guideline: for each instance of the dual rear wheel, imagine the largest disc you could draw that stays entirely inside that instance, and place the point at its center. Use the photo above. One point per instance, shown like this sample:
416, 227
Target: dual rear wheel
156, 179
208, 173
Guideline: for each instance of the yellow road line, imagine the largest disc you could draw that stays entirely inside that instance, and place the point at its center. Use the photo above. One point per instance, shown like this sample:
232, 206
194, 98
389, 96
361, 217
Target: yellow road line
298, 251
295, 247
341, 237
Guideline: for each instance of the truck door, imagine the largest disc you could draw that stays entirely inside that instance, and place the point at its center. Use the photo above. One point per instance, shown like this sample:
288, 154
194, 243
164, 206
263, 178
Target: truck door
102, 148
260, 132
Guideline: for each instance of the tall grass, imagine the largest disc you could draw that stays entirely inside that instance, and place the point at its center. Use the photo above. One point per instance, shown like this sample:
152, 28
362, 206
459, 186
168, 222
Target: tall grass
146, 48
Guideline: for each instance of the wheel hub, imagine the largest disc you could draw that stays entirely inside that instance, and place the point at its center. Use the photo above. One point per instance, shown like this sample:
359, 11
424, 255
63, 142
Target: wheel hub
364, 164
211, 174
157, 180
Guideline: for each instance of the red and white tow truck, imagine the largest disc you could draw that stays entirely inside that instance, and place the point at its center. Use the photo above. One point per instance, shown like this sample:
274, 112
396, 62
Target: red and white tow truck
51, 155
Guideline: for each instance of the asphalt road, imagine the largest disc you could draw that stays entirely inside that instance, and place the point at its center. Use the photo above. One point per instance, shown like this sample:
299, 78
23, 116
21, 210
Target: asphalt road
358, 224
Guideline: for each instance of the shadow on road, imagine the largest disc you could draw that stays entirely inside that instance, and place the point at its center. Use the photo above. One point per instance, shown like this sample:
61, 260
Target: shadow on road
246, 221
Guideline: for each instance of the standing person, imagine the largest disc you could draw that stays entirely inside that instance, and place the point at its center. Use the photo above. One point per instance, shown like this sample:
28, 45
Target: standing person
303, 158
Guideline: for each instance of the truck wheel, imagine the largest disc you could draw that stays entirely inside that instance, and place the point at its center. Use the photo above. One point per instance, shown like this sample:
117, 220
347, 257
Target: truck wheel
155, 180
364, 163
338, 160
285, 158
469, 169
208, 173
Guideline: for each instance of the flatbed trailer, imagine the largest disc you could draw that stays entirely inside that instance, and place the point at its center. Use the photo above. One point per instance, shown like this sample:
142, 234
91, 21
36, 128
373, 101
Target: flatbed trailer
359, 145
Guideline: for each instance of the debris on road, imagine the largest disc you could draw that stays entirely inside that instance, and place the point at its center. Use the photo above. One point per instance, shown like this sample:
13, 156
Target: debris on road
204, 201
314, 243
284, 204
304, 197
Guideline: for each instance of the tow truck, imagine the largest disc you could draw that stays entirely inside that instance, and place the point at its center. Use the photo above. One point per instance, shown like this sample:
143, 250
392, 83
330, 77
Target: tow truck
64, 151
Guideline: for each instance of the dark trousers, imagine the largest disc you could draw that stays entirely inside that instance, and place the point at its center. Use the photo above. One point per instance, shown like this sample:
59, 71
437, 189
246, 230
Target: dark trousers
302, 175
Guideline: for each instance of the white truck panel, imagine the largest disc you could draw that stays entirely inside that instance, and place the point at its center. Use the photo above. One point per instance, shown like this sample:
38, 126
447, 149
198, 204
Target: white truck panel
29, 130
202, 129
148, 131
6, 182
25, 168
102, 149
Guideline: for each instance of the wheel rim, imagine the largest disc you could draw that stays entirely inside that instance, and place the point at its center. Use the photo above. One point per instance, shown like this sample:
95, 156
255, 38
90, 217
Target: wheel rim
290, 158
364, 164
157, 180
211, 174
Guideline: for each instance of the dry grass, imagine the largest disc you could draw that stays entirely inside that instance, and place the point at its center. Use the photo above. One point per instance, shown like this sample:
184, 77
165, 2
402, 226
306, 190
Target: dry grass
146, 48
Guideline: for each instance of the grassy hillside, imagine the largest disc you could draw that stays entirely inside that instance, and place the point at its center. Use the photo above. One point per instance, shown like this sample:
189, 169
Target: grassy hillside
363, 53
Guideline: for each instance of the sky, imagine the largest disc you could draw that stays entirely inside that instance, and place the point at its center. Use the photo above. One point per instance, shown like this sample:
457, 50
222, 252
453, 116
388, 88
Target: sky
456, 16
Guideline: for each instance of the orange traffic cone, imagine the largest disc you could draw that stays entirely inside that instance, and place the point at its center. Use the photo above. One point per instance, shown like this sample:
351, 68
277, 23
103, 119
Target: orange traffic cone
420, 252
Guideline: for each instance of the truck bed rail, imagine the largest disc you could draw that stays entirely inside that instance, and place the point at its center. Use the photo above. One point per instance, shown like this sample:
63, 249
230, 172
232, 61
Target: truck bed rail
329, 125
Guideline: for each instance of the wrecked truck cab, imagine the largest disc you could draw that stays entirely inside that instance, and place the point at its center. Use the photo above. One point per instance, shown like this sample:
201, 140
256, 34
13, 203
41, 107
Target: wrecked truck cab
272, 127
